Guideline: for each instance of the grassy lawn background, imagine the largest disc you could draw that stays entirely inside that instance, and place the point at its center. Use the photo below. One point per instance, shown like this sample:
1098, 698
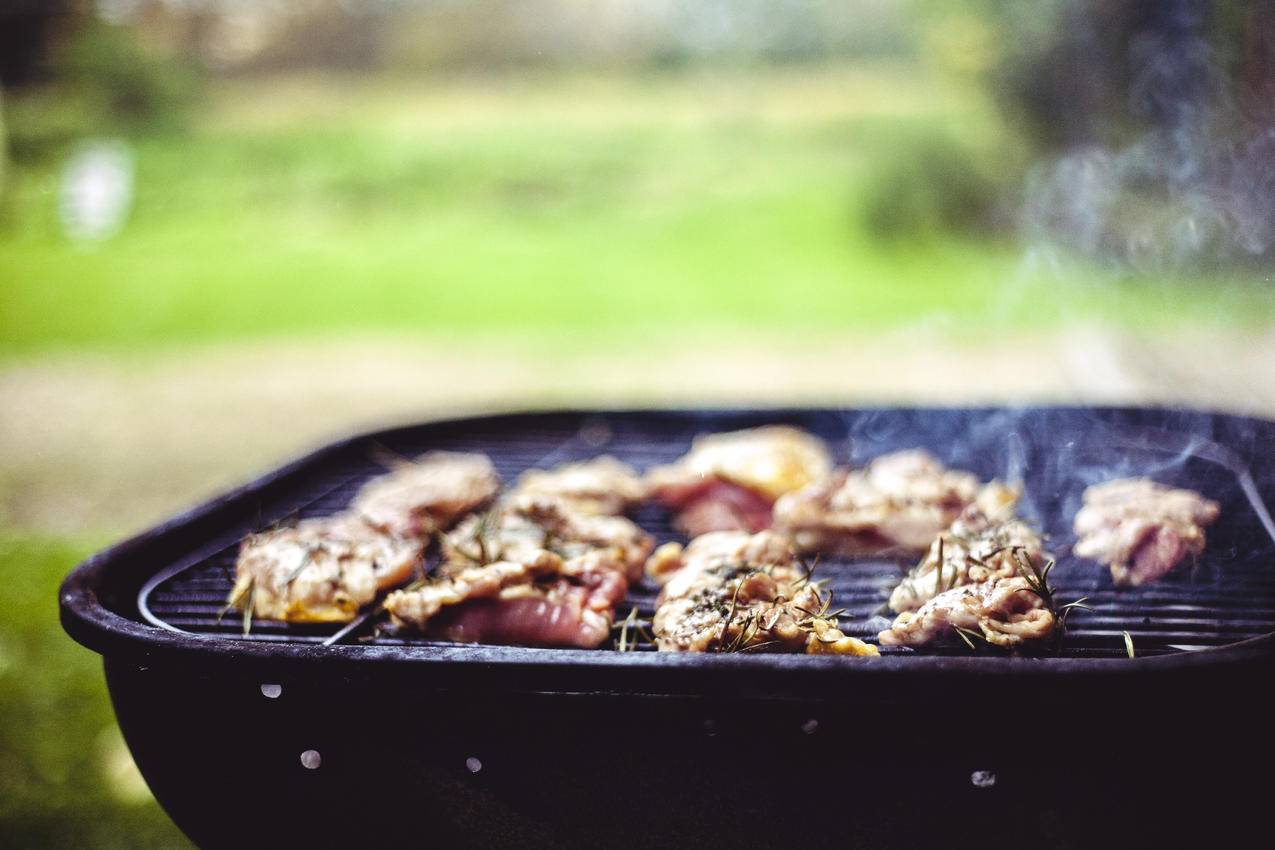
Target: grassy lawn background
570, 209
562, 207
65, 776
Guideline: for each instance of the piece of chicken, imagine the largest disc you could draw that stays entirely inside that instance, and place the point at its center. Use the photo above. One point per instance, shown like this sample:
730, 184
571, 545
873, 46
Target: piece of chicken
541, 600
732, 591
897, 503
321, 570
1140, 528
731, 481
602, 485
427, 495
976, 548
520, 525
1005, 612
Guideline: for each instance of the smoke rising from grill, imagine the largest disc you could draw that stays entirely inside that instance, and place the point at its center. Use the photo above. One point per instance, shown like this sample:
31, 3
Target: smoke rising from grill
1023, 444
1194, 187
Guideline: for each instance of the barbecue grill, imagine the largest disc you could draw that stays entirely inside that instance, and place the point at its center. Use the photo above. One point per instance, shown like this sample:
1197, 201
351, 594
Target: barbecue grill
326, 735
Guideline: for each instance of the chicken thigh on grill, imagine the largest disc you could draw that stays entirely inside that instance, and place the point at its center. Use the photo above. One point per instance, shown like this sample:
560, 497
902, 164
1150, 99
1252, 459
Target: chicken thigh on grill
1005, 612
601, 485
732, 591
730, 481
427, 495
977, 547
321, 570
1140, 528
897, 503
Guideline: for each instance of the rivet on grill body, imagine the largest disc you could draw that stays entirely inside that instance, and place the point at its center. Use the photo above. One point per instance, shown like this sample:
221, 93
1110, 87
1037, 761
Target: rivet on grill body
810, 727
595, 432
473, 764
983, 779
270, 691
311, 759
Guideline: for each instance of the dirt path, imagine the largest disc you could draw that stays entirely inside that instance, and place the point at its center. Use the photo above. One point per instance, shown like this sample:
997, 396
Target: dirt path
97, 444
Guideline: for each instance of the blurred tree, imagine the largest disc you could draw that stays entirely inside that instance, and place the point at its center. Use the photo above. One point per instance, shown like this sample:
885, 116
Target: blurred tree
28, 29
1107, 69
932, 183
82, 76
131, 86
1153, 121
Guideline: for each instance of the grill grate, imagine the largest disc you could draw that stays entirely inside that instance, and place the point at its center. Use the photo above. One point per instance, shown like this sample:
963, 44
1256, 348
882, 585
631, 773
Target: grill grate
1228, 596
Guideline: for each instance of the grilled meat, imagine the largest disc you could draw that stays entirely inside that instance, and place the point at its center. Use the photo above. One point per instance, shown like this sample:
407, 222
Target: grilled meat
1005, 612
602, 485
729, 590
1140, 528
427, 495
898, 502
977, 547
519, 526
533, 570
320, 571
558, 614
731, 481
540, 600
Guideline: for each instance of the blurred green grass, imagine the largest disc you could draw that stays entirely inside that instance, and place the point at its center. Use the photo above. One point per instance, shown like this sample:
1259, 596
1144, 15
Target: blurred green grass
64, 778
542, 208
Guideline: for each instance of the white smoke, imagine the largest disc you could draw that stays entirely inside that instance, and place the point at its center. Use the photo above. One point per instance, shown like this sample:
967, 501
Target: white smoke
1195, 189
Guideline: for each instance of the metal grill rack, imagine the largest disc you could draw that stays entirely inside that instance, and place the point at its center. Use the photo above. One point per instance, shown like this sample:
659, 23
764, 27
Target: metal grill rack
1228, 596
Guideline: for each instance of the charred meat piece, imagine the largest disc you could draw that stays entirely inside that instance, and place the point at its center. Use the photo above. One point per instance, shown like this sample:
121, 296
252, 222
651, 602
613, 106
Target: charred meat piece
427, 495
978, 547
602, 485
520, 526
321, 570
731, 481
1140, 528
897, 503
732, 591
1005, 612
538, 601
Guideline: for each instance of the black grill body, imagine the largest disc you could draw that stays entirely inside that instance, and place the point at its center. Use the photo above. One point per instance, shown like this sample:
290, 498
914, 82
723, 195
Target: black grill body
449, 745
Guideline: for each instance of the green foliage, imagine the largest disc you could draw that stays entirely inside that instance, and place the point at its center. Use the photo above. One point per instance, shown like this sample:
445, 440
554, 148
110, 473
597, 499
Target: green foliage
581, 228
133, 88
64, 781
103, 83
571, 212
929, 184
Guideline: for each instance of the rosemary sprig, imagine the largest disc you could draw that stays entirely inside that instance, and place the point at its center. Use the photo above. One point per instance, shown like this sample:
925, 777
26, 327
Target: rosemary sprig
480, 537
234, 602
307, 557
488, 552
755, 646
730, 615
751, 626
968, 636
631, 632
1037, 579
938, 571
979, 562
629, 621
247, 608
825, 603
808, 573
